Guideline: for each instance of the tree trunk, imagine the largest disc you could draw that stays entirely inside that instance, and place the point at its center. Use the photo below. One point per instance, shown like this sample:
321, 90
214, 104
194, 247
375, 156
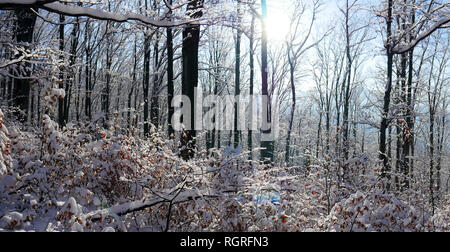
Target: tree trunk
146, 85
61, 69
170, 77
237, 79
347, 91
266, 146
133, 86
88, 77
387, 99
432, 121
156, 84
293, 106
191, 39
26, 20
252, 79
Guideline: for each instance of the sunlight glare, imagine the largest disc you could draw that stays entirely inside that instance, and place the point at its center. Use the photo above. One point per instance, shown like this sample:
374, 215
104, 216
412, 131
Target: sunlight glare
277, 25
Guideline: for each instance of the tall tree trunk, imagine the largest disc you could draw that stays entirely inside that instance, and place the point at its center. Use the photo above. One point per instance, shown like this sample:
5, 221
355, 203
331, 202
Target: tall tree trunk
432, 100
10, 90
252, 80
72, 72
88, 77
237, 78
328, 125
170, 77
107, 89
408, 147
133, 86
26, 20
267, 147
146, 84
61, 70
441, 142
293, 106
154, 104
404, 167
191, 39
319, 133
345, 140
432, 121
387, 99
155, 100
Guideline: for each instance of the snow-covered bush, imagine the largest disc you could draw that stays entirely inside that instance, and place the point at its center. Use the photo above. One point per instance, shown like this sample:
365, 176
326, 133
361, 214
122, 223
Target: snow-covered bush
5, 147
374, 212
96, 179
441, 219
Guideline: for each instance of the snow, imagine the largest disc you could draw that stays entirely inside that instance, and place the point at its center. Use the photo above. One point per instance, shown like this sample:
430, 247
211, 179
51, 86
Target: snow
7, 182
91, 177
72, 10
77, 227
11, 220
108, 230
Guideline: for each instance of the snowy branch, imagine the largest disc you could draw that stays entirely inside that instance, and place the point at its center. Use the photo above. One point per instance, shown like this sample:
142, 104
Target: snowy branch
11, 4
139, 205
78, 11
402, 48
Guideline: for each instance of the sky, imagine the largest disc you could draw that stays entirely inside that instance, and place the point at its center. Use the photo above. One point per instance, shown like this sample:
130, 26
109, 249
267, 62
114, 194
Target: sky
278, 19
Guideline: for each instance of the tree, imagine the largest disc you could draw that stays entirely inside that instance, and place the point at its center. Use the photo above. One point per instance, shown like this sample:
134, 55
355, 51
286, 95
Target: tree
355, 37
296, 47
267, 146
170, 76
191, 39
435, 86
61, 104
237, 77
252, 83
401, 42
26, 20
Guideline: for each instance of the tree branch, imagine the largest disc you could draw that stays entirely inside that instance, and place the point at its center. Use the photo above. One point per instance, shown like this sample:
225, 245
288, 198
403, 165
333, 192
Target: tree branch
402, 48
79, 11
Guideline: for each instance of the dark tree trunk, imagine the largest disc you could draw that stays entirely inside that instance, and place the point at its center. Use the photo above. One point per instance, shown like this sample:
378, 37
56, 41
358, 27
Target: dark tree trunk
346, 122
155, 101
432, 162
146, 85
72, 72
191, 39
266, 146
387, 99
10, 90
88, 74
319, 133
133, 86
294, 105
107, 89
170, 77
237, 81
61, 70
409, 134
252, 80
26, 20
440, 143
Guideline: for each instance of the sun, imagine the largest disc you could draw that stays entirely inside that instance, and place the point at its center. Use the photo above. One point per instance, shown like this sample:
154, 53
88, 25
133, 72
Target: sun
277, 25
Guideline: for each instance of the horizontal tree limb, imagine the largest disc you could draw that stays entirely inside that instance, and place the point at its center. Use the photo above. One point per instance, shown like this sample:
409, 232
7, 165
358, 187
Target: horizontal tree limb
140, 205
402, 48
79, 11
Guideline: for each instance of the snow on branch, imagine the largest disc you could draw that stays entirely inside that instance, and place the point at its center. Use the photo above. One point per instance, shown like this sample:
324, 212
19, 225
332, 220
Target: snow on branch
79, 11
403, 48
139, 205
8, 4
